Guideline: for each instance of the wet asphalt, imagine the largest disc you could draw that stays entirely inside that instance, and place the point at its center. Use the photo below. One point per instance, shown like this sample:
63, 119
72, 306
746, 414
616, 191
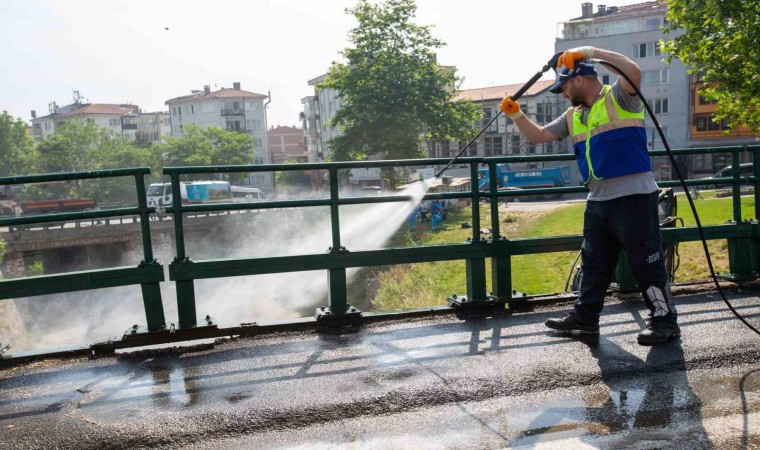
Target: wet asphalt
445, 382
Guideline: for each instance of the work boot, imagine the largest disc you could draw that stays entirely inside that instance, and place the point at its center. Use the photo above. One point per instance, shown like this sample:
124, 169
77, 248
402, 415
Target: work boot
659, 330
571, 323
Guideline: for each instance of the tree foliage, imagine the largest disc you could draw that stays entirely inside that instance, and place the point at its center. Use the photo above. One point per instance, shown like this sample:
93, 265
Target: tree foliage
206, 147
293, 181
17, 151
391, 88
82, 146
721, 41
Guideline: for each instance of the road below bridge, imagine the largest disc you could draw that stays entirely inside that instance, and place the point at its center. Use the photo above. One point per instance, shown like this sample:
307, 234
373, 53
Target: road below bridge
440, 381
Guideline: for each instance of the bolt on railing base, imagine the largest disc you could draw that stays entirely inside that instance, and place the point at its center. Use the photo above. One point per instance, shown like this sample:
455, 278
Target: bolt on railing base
516, 298
325, 314
207, 323
137, 331
464, 302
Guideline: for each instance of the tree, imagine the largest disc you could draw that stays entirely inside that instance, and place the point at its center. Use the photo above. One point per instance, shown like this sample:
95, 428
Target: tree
392, 90
17, 152
293, 181
208, 146
721, 42
81, 146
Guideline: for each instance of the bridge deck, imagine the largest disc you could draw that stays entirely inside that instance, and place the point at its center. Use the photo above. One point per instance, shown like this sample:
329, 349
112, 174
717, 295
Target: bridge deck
438, 382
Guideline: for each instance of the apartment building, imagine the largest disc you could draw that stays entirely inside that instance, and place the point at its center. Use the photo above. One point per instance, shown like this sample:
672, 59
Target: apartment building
287, 144
705, 132
318, 110
124, 120
232, 109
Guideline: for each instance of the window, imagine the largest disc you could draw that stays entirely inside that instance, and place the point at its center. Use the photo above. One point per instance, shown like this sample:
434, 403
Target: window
515, 144
660, 105
647, 49
704, 101
706, 122
493, 146
258, 142
653, 24
207, 107
258, 160
542, 113
549, 147
192, 109
605, 79
235, 106
655, 77
47, 125
531, 149
251, 105
654, 136
113, 122
700, 162
174, 111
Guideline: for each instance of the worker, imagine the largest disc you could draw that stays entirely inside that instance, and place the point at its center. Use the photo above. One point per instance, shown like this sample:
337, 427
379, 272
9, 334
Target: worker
606, 126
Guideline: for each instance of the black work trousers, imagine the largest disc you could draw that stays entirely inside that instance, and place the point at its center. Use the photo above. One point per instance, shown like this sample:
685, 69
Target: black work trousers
629, 223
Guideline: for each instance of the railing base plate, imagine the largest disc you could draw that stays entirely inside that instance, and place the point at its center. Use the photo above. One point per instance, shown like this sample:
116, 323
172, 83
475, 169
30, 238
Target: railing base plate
324, 314
464, 302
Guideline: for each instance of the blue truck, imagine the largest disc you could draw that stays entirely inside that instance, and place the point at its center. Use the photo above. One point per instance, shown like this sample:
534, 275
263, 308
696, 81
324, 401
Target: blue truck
527, 178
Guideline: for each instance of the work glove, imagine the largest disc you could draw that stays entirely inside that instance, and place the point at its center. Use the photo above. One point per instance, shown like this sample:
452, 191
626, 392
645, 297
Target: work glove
569, 57
510, 107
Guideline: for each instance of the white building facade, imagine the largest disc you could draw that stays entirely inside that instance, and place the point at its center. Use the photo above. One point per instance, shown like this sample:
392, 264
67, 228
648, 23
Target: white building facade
231, 109
123, 120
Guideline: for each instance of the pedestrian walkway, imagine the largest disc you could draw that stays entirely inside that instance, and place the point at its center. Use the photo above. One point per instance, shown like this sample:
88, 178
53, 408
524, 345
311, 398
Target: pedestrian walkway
436, 382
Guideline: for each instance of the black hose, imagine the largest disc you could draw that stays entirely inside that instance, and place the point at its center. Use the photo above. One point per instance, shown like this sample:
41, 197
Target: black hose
683, 185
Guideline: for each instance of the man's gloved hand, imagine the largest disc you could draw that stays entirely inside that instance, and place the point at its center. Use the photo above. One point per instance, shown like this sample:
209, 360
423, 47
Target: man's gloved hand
569, 57
510, 107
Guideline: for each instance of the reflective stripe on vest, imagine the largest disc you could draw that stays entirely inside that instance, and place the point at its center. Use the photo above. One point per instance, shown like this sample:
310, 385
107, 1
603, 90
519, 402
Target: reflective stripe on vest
609, 127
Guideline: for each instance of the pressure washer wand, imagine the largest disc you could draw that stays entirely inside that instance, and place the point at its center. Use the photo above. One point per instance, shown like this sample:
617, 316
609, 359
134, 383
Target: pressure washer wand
515, 96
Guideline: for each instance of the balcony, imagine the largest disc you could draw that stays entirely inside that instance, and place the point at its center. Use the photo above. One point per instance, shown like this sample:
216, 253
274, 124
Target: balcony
128, 126
239, 130
233, 112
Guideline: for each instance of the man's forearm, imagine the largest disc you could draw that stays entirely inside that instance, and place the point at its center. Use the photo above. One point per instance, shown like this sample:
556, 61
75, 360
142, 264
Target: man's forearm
532, 131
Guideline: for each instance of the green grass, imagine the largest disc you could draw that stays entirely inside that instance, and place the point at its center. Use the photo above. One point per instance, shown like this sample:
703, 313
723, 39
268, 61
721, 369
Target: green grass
428, 284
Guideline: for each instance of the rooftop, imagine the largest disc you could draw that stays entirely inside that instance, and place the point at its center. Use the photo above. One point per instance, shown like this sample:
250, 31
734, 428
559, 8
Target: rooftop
498, 92
221, 93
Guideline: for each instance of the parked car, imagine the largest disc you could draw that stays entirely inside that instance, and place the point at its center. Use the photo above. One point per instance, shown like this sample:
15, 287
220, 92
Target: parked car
745, 170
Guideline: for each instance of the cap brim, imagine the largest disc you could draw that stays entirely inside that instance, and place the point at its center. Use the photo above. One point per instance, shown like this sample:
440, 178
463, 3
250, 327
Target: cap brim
556, 88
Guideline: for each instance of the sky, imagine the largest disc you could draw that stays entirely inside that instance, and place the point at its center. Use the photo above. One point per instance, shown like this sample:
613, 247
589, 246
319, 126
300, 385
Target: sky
145, 52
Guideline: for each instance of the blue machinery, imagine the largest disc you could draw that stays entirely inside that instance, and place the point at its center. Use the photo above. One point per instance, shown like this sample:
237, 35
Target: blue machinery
743, 238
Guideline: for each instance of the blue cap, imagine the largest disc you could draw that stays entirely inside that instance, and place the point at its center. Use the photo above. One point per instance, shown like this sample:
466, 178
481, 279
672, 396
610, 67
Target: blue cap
581, 69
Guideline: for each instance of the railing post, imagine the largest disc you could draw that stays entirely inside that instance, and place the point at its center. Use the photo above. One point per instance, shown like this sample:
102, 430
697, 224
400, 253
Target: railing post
187, 315
501, 261
475, 267
743, 253
151, 292
337, 286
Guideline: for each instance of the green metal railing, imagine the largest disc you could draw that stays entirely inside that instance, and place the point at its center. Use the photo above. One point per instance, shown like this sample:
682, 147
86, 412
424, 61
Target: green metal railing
742, 235
743, 238
148, 273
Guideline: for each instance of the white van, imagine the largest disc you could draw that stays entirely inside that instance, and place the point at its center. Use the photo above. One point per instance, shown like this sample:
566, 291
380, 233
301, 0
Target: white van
159, 195
245, 194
